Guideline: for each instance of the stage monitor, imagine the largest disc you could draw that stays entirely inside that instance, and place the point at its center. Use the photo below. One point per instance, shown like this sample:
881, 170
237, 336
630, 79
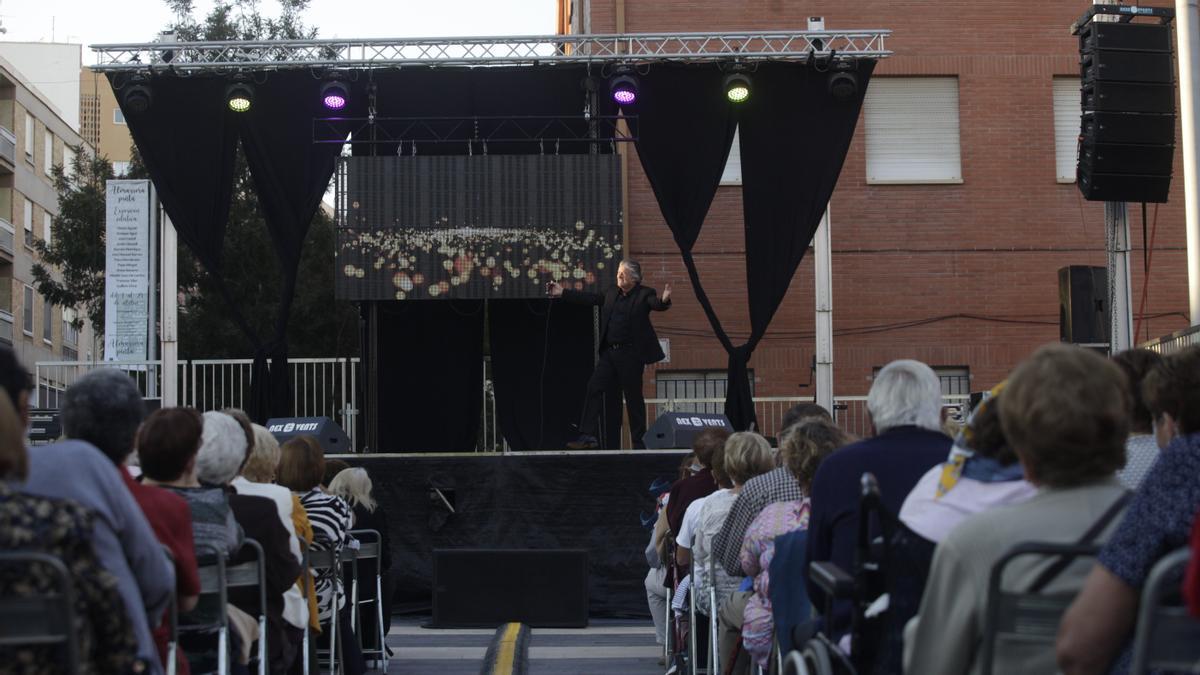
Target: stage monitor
327, 432
476, 226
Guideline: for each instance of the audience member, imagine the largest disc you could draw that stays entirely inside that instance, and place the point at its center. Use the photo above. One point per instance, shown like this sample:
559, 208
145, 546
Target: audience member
302, 466
905, 407
332, 468
354, 487
803, 412
1141, 449
1065, 412
981, 473
1158, 521
802, 448
96, 413
700, 484
221, 457
63, 529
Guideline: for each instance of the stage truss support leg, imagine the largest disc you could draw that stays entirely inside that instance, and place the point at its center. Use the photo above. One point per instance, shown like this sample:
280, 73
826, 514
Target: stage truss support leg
169, 319
1116, 240
1187, 33
823, 265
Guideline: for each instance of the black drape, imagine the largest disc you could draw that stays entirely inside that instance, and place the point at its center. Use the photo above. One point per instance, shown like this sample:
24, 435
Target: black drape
541, 360
291, 174
430, 373
794, 138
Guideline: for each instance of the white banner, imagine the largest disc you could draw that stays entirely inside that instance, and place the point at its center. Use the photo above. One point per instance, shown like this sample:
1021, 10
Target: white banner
127, 270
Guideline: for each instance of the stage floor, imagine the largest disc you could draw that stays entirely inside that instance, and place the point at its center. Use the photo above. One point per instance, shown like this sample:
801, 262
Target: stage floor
598, 500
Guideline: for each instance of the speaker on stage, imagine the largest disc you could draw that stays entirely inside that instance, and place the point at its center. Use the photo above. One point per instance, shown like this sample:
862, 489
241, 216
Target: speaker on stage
488, 587
1083, 316
1127, 130
327, 432
676, 430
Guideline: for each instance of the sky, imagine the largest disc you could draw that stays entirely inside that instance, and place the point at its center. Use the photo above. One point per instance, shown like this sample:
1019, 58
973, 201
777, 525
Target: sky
123, 21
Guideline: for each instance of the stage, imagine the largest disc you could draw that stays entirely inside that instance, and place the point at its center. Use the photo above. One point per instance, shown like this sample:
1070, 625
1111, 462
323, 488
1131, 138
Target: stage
591, 500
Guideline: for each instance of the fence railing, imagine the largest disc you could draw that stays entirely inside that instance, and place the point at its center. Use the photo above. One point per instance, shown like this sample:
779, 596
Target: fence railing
320, 387
1175, 341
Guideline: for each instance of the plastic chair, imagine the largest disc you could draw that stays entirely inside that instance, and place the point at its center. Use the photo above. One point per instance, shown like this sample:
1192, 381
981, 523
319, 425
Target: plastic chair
47, 619
249, 575
370, 548
1167, 637
1027, 619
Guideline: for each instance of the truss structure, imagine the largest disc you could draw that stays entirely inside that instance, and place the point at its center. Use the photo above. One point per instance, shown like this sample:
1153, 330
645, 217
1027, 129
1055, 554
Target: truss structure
633, 49
409, 132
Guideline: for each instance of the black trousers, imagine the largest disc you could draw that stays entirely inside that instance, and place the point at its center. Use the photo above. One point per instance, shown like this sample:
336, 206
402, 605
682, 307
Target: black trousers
617, 372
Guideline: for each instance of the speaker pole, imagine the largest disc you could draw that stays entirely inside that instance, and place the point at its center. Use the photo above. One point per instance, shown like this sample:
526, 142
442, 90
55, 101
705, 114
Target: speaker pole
823, 267
1187, 35
1116, 240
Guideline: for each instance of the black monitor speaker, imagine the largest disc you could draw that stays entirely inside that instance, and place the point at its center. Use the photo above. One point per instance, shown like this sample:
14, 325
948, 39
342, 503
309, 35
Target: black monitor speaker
1083, 316
677, 429
327, 432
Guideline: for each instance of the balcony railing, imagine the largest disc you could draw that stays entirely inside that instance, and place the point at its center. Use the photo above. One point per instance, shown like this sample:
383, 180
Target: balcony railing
6, 327
7, 234
8, 149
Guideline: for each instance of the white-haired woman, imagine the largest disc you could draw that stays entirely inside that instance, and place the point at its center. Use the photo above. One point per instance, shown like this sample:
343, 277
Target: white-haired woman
354, 486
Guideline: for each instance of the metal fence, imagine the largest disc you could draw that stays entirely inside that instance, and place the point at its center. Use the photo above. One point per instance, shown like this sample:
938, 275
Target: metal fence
320, 387
1175, 341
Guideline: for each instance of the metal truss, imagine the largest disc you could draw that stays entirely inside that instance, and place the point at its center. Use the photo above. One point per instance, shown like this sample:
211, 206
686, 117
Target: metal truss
410, 132
636, 49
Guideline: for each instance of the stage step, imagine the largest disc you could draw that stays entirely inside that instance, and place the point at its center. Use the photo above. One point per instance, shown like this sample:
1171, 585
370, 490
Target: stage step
605, 647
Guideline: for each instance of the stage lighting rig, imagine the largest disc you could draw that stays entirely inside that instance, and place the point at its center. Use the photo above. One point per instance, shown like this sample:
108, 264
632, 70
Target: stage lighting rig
240, 96
624, 86
737, 86
137, 99
843, 82
334, 95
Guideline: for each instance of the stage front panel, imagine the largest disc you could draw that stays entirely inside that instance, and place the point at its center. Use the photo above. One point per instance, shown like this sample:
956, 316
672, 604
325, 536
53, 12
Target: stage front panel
482, 226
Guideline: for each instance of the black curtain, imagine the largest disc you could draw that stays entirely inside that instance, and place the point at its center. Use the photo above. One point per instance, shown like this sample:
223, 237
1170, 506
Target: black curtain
430, 372
541, 359
291, 174
794, 138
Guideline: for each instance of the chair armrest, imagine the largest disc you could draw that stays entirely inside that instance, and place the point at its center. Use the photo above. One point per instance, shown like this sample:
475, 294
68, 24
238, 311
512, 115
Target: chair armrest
831, 579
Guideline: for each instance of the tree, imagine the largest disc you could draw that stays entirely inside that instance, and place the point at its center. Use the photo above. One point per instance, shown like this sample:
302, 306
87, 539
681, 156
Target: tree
77, 247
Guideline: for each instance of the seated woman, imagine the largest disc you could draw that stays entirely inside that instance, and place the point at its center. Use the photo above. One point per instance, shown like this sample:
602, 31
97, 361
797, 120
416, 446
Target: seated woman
354, 486
801, 449
301, 469
62, 529
222, 454
1065, 412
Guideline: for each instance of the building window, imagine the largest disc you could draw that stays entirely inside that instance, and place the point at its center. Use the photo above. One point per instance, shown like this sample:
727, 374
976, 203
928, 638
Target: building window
68, 161
28, 223
27, 312
118, 116
955, 380
47, 321
48, 155
733, 166
47, 221
29, 131
120, 169
1067, 109
912, 130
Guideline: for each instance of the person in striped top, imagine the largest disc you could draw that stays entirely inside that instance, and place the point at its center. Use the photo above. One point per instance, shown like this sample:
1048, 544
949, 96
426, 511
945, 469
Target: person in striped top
301, 469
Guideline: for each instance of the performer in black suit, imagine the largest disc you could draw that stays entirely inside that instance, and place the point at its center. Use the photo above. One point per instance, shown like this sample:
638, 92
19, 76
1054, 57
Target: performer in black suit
627, 344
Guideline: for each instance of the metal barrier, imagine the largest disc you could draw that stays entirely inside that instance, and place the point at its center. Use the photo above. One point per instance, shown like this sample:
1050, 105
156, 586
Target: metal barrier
320, 387
1175, 341
852, 416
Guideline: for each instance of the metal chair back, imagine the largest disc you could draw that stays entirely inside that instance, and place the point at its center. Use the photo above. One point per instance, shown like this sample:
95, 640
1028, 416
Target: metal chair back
212, 583
713, 628
250, 575
1167, 637
47, 619
1020, 618
370, 547
328, 563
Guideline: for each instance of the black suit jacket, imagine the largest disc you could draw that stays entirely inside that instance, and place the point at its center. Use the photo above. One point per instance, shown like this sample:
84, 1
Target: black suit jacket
260, 520
645, 300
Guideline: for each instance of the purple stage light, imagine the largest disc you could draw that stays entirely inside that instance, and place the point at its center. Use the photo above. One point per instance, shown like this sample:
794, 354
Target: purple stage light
335, 101
624, 96
624, 88
334, 95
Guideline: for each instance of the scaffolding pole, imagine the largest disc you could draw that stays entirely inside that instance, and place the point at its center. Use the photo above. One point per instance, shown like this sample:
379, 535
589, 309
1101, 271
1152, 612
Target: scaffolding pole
823, 264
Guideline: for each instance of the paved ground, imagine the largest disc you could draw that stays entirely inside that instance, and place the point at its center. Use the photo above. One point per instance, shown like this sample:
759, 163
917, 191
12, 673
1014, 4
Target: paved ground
604, 647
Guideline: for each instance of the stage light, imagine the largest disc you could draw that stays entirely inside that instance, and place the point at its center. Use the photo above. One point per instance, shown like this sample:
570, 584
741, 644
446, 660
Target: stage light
240, 97
624, 88
334, 95
737, 87
137, 99
843, 83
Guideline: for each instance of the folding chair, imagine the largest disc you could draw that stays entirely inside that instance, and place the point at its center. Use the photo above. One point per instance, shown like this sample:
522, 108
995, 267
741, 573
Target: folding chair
692, 616
173, 637
250, 575
1025, 620
370, 548
1167, 637
212, 583
47, 619
327, 563
713, 627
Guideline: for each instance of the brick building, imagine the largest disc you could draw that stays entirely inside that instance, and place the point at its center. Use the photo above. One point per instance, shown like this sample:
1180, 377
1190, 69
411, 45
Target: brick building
955, 208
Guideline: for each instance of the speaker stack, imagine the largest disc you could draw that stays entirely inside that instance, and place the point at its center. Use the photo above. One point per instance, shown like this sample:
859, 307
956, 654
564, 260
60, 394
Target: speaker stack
1127, 131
